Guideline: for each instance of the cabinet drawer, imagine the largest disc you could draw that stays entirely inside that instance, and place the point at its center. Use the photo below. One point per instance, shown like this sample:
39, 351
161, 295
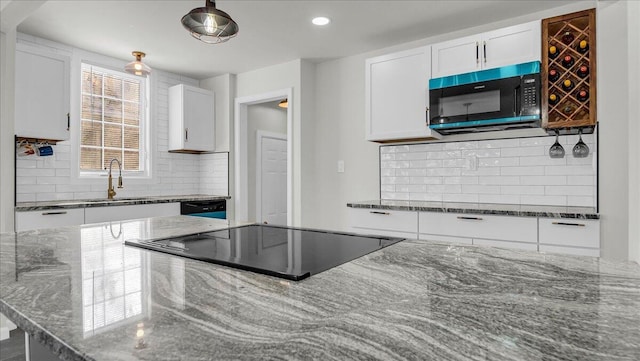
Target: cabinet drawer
121, 213
50, 218
522, 229
570, 232
506, 244
591, 252
382, 219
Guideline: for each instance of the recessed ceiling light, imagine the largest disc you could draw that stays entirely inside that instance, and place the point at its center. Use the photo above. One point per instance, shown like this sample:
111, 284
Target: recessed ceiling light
321, 20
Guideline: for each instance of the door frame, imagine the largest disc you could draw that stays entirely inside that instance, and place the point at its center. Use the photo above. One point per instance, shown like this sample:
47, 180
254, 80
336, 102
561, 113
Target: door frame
259, 136
241, 116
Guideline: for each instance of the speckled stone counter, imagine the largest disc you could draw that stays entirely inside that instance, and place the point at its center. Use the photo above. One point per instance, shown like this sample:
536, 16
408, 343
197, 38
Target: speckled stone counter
521, 210
79, 290
87, 203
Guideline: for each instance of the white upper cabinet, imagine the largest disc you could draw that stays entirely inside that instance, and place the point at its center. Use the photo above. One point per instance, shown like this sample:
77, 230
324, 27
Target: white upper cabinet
191, 119
397, 96
507, 46
42, 82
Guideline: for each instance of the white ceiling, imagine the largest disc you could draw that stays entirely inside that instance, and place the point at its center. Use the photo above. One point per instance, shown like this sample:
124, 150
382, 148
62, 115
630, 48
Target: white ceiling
271, 32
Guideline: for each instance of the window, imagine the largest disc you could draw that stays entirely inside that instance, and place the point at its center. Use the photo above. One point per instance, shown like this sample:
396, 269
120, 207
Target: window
112, 120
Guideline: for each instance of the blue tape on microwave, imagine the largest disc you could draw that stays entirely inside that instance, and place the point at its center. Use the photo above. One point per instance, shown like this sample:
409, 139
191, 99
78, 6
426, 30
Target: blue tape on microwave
475, 123
485, 75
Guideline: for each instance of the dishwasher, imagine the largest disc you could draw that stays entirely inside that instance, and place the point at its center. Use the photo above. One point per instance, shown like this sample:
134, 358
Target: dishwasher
209, 209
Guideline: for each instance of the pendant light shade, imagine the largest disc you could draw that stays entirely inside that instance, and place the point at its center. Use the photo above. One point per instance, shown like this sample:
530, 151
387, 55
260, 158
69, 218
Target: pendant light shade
284, 103
137, 67
209, 24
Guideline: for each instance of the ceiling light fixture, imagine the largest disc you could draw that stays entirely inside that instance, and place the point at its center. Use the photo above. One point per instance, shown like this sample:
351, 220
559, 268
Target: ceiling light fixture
320, 21
284, 103
137, 67
209, 24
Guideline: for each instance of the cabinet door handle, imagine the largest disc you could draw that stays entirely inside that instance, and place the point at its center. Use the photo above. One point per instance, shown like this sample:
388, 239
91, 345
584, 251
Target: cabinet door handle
68, 121
568, 224
470, 218
382, 213
484, 50
186, 134
477, 52
53, 213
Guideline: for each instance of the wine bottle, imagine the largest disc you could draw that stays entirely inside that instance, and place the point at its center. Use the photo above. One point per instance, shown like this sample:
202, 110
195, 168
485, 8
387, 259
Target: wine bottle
567, 85
553, 52
553, 99
568, 61
567, 37
583, 47
553, 75
582, 95
583, 71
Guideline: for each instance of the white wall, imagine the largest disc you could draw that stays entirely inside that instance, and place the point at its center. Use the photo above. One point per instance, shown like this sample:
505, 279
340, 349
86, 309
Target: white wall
614, 128
273, 78
633, 18
266, 117
7, 150
55, 178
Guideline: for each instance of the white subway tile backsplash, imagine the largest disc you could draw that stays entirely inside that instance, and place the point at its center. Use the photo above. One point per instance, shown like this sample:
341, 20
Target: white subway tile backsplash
461, 180
569, 190
580, 201
544, 200
499, 162
570, 170
543, 180
523, 171
522, 190
465, 198
517, 171
502, 180
581, 180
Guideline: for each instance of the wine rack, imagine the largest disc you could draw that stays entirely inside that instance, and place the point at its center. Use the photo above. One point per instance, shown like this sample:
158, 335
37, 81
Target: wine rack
570, 110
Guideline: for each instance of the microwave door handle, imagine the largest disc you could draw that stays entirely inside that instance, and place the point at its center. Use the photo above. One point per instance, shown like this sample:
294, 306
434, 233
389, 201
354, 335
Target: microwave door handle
516, 100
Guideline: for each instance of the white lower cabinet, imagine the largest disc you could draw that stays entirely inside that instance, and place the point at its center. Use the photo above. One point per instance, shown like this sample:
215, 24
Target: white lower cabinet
121, 213
50, 218
478, 226
555, 235
573, 236
384, 222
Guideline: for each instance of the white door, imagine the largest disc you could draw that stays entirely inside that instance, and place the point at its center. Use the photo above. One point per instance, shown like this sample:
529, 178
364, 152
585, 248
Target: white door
512, 45
397, 95
271, 180
456, 56
199, 119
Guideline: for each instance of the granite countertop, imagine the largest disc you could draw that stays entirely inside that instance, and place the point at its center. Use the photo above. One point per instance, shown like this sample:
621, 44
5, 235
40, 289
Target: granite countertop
82, 292
521, 210
86, 203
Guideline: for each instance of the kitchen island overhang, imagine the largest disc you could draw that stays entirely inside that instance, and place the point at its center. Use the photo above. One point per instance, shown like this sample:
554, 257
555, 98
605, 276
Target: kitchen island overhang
411, 300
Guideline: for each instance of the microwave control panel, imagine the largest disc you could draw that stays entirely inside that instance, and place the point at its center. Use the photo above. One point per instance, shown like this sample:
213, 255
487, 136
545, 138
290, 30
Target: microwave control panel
530, 94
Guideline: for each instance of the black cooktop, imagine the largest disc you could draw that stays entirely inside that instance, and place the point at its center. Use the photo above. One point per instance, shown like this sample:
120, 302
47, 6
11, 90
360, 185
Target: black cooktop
290, 253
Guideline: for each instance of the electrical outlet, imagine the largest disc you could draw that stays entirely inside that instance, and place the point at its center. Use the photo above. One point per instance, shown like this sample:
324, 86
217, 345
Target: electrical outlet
341, 166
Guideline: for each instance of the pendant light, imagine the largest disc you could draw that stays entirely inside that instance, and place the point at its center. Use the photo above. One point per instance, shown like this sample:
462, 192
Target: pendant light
284, 103
137, 67
209, 24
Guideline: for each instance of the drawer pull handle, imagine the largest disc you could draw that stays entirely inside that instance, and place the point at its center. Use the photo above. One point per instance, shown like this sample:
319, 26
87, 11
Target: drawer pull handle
383, 213
53, 213
471, 218
569, 224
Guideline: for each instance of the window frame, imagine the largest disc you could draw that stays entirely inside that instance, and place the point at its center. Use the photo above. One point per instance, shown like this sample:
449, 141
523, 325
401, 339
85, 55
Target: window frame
144, 127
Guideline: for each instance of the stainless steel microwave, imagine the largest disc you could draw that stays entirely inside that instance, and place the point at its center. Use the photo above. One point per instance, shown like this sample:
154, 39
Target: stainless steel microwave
486, 100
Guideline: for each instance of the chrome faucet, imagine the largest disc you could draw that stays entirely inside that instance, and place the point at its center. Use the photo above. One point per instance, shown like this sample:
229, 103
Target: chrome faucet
110, 191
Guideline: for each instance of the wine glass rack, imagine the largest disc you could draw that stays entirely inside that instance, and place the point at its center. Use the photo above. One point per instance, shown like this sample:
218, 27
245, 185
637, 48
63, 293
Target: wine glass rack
570, 111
